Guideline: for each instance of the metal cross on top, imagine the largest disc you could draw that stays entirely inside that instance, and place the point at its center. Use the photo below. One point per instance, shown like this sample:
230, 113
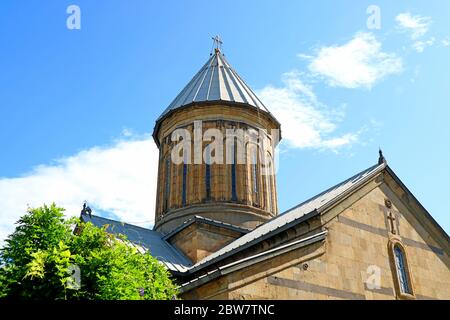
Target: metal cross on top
217, 43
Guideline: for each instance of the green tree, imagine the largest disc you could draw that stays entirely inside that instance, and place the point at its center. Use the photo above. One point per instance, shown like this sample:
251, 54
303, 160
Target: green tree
44, 259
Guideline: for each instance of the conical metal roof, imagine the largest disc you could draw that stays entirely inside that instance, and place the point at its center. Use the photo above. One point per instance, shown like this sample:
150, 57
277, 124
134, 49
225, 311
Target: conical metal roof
216, 81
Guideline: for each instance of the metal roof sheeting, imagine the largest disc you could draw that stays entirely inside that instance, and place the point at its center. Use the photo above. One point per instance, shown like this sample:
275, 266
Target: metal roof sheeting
176, 261
248, 261
145, 239
216, 81
303, 210
205, 220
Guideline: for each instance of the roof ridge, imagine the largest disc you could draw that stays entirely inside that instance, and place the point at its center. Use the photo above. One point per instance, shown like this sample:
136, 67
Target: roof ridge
195, 78
331, 188
195, 218
122, 222
146, 239
203, 91
289, 216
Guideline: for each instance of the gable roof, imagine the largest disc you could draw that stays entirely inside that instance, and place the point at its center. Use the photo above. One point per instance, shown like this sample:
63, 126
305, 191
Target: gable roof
299, 213
256, 258
315, 206
200, 219
145, 239
302, 212
430, 222
308, 209
177, 262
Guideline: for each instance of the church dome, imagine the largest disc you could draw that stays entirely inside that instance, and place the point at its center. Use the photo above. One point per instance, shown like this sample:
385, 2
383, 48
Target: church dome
215, 82
238, 186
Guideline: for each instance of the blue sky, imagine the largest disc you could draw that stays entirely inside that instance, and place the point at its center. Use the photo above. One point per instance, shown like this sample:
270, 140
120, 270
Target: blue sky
77, 106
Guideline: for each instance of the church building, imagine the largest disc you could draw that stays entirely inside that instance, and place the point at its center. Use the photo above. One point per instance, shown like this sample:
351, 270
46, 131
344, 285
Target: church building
217, 226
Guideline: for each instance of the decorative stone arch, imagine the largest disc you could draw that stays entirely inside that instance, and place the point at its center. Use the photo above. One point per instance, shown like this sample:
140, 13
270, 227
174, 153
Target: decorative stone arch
167, 182
252, 156
270, 183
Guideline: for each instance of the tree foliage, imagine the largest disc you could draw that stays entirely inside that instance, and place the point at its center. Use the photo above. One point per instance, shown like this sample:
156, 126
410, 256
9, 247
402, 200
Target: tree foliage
45, 259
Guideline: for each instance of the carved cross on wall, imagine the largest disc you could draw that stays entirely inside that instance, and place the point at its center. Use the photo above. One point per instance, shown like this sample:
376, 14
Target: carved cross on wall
390, 216
391, 219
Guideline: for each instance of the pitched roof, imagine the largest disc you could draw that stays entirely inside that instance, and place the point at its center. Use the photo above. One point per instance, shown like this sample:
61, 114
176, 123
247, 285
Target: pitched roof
145, 239
429, 218
293, 216
256, 258
176, 261
216, 81
200, 219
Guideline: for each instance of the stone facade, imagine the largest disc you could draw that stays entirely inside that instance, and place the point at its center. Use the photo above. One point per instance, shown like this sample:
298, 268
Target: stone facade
200, 239
370, 240
356, 251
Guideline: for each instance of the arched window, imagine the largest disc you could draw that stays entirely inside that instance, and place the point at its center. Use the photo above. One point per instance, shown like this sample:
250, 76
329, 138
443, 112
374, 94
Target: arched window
233, 172
255, 172
167, 184
184, 177
208, 172
402, 270
268, 173
252, 158
183, 193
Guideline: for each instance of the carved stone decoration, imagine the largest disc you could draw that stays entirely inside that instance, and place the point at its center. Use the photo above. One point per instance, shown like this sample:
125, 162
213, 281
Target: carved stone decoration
388, 203
392, 219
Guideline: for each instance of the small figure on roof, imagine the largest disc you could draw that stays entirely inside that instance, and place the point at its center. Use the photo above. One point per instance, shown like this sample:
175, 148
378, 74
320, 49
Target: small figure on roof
86, 210
381, 158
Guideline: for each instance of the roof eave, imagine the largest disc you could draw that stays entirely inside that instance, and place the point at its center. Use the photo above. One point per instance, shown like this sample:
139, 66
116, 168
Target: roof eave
330, 204
200, 219
208, 103
248, 261
254, 241
424, 210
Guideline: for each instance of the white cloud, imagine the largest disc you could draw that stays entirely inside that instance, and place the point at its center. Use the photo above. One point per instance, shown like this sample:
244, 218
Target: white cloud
120, 179
358, 63
416, 25
445, 42
420, 45
305, 122
304, 56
